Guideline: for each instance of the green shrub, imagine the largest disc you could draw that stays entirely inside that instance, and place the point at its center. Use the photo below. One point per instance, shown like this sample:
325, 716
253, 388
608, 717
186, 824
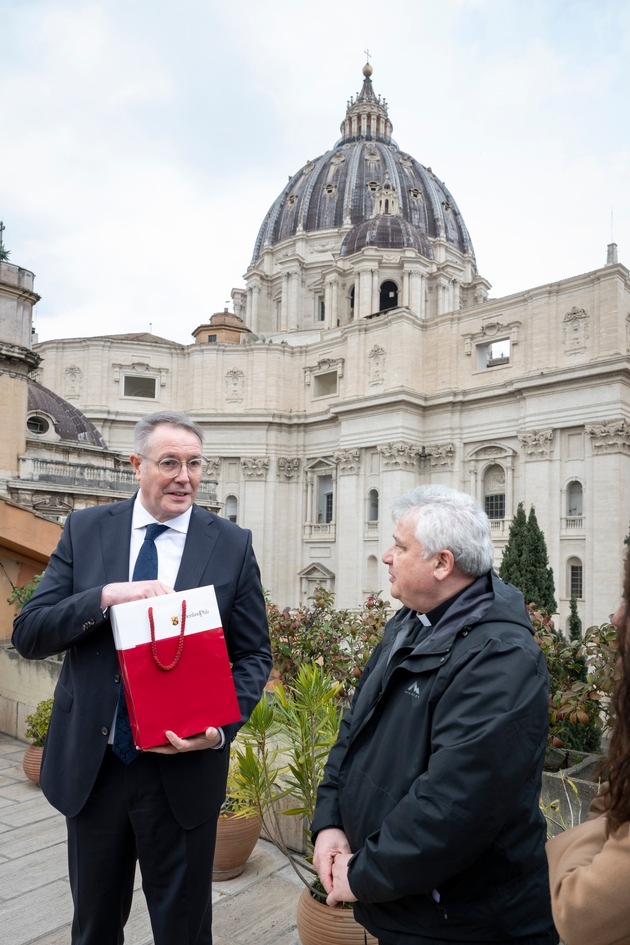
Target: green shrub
38, 721
339, 640
581, 676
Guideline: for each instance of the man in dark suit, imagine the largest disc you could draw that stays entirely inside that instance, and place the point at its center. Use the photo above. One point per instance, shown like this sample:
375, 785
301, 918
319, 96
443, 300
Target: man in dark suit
160, 808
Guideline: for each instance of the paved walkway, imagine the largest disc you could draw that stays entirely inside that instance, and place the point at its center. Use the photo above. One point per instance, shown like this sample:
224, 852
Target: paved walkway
35, 907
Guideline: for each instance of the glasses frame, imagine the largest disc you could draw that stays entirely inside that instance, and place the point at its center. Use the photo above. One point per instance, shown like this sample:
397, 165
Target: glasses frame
172, 459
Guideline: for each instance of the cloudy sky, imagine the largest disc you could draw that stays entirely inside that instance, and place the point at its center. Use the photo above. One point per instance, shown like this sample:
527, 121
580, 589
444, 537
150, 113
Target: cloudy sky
142, 142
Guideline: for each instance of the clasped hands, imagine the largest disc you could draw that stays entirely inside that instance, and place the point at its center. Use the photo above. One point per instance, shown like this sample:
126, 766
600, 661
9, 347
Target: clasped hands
330, 858
122, 593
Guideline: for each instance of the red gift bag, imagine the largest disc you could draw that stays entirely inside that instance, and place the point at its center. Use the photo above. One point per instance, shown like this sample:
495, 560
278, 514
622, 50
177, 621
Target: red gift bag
174, 664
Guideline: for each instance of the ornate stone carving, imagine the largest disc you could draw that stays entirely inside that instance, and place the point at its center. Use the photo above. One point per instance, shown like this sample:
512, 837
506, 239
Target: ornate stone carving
347, 460
376, 366
575, 331
53, 504
441, 454
538, 444
73, 382
214, 464
289, 467
487, 452
234, 386
494, 479
610, 436
399, 455
255, 467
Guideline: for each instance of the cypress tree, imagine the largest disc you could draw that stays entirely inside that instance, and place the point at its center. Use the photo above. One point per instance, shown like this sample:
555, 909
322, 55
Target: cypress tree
511, 567
541, 579
575, 624
525, 561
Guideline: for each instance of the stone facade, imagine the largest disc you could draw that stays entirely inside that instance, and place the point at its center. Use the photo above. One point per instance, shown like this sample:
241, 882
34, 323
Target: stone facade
366, 357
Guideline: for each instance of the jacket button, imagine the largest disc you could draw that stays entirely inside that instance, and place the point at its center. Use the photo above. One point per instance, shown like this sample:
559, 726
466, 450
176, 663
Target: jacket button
104, 730
88, 624
442, 659
117, 678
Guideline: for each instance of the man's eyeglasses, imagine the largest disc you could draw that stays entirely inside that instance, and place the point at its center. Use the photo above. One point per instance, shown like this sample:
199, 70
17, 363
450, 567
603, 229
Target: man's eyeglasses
171, 467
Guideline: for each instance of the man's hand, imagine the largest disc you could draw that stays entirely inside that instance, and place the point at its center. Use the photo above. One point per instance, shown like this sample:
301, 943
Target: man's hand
329, 843
132, 590
341, 891
211, 738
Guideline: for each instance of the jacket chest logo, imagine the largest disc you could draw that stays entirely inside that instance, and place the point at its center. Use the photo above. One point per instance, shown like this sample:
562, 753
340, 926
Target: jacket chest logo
413, 690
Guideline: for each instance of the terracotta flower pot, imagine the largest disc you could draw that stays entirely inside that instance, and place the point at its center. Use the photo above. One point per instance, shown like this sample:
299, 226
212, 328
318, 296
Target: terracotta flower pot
318, 923
32, 762
236, 838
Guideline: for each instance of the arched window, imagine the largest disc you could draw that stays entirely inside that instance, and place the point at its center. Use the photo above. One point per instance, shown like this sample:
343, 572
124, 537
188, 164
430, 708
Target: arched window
231, 508
494, 491
373, 505
575, 578
574, 499
388, 296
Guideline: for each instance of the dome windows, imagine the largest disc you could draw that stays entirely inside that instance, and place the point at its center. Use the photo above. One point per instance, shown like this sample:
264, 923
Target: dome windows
38, 425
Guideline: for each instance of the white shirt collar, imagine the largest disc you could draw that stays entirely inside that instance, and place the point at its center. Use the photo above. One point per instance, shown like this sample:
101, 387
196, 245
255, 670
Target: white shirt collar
141, 518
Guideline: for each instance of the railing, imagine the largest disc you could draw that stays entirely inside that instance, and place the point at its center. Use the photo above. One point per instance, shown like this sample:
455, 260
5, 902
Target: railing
97, 478
573, 521
500, 526
322, 531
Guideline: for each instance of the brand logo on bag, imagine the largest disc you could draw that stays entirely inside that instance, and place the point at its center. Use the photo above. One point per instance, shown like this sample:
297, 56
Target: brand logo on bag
175, 621
198, 613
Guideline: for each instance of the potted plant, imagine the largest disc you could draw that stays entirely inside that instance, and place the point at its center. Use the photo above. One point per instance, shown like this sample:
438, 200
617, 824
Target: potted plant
280, 762
238, 829
36, 729
582, 676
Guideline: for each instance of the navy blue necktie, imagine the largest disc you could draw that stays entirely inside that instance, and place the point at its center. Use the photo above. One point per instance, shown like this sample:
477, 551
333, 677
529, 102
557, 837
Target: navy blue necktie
145, 569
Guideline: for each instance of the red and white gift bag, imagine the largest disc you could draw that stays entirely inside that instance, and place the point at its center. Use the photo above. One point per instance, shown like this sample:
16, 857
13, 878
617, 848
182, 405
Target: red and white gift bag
175, 665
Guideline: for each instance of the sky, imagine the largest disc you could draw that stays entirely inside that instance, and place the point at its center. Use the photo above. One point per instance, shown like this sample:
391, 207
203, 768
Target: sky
142, 142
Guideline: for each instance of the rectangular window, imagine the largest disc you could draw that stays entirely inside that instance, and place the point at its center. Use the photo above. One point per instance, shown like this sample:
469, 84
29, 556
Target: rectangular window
324, 500
212, 339
321, 310
325, 385
576, 581
135, 386
493, 354
494, 506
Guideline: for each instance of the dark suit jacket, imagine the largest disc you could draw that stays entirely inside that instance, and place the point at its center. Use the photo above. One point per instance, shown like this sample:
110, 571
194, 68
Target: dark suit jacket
64, 615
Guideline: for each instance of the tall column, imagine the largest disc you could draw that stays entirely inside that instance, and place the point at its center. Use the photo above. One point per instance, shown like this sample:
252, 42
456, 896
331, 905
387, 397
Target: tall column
335, 315
16, 361
375, 292
254, 308
294, 300
284, 303
363, 299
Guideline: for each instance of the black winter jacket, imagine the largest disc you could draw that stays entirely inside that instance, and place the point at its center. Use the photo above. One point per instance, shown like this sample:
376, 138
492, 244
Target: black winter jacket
435, 778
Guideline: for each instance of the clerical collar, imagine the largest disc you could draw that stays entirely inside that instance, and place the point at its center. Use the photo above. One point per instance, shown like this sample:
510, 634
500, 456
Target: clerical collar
432, 616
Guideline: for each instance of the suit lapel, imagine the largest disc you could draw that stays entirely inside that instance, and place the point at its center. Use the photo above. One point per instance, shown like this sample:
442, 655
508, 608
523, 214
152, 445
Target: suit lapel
115, 536
200, 541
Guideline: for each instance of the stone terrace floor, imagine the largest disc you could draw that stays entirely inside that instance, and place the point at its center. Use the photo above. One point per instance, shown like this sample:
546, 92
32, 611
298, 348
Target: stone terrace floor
35, 907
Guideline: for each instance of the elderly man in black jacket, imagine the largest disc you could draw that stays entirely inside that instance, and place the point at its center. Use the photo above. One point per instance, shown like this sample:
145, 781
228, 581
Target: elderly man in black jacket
428, 816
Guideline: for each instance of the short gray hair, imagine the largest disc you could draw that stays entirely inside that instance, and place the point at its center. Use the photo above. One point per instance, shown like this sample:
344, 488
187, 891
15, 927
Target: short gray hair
446, 518
145, 427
